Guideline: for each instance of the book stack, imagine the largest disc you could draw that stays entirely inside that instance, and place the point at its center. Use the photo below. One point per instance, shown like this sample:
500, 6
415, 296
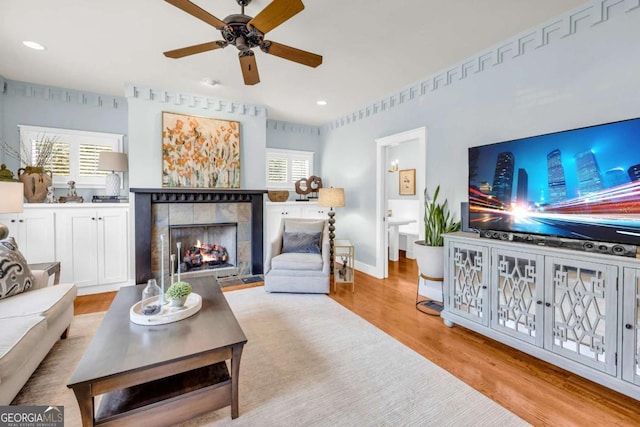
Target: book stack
110, 199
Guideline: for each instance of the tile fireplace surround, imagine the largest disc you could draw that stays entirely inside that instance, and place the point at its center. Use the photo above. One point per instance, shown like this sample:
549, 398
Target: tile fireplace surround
157, 208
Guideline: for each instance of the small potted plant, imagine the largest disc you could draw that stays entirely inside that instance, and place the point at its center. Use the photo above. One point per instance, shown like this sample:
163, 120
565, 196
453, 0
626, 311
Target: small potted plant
178, 293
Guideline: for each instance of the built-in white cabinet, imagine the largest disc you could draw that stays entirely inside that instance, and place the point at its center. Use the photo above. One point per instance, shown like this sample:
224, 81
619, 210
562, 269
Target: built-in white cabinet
574, 309
276, 211
93, 245
34, 232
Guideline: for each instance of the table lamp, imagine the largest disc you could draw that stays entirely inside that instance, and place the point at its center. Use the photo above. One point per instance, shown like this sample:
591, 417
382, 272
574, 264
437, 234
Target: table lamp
11, 201
114, 162
331, 198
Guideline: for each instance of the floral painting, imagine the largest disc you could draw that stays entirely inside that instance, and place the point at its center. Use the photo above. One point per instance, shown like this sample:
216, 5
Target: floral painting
200, 152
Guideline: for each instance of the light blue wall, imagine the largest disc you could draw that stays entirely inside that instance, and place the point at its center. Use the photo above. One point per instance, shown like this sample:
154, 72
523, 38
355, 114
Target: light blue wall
293, 136
36, 105
405, 154
145, 132
579, 70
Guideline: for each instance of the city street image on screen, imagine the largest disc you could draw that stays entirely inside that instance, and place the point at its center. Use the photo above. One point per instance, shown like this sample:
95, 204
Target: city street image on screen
582, 183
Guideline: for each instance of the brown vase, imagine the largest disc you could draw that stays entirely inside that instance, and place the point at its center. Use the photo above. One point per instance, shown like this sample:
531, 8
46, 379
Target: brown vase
35, 180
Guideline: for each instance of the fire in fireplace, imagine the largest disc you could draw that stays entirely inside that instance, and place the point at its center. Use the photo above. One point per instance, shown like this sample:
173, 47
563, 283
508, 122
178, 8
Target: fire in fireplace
205, 254
204, 246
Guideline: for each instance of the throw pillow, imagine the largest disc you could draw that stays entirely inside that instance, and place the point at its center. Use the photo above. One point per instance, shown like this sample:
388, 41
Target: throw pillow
301, 243
15, 275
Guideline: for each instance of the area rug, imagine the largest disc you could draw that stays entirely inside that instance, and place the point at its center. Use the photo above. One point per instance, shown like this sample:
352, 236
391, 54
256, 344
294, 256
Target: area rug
308, 362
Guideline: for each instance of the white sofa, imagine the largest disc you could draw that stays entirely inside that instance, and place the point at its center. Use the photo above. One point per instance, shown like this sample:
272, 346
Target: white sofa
298, 272
30, 324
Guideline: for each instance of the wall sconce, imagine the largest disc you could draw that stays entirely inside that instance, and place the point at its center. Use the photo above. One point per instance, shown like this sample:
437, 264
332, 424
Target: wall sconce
394, 166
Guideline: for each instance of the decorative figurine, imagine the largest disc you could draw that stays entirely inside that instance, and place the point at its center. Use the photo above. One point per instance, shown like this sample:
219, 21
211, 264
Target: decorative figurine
342, 272
72, 189
51, 197
71, 196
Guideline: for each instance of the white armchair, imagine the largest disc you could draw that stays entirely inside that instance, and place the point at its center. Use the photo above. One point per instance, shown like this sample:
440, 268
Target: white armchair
292, 264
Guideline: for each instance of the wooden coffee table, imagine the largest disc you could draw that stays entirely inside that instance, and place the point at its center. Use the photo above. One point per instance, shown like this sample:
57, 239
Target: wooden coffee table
162, 374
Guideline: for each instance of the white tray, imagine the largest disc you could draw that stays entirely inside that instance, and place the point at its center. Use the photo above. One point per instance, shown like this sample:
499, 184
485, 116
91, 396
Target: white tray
168, 314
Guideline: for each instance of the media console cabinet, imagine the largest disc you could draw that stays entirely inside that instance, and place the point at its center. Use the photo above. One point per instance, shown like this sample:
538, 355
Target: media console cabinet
577, 310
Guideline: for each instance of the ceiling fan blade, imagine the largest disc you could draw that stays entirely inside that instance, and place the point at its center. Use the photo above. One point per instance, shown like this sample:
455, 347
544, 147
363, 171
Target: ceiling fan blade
291, 53
198, 12
198, 48
249, 68
275, 14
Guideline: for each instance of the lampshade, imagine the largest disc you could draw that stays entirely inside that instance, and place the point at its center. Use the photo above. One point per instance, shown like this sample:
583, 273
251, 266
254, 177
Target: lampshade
331, 197
11, 197
113, 161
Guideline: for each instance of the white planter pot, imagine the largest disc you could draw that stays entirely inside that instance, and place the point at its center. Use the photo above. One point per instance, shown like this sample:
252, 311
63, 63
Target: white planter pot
430, 266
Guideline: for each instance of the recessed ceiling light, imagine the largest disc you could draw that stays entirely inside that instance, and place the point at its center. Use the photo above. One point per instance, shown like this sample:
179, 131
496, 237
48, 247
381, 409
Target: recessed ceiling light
33, 45
321, 102
210, 82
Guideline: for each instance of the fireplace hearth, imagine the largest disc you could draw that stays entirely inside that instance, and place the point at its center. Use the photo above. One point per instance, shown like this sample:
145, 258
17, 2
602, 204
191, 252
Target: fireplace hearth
238, 214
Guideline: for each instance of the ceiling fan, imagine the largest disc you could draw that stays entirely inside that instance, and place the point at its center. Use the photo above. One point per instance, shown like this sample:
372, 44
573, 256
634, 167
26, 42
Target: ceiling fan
245, 33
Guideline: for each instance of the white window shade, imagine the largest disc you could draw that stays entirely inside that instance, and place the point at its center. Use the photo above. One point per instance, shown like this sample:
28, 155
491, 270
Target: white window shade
285, 167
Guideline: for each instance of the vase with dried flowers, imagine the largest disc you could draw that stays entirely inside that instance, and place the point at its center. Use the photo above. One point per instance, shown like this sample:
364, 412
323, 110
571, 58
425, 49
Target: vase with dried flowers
33, 175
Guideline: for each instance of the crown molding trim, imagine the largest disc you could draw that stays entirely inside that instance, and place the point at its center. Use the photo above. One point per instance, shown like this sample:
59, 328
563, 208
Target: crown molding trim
56, 94
145, 93
290, 127
578, 20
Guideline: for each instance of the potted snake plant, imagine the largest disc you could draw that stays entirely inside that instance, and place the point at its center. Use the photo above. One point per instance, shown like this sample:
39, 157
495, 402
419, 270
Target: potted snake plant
430, 251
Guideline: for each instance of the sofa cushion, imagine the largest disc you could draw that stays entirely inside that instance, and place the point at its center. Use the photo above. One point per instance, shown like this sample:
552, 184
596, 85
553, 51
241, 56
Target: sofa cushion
49, 302
20, 335
304, 243
297, 261
15, 275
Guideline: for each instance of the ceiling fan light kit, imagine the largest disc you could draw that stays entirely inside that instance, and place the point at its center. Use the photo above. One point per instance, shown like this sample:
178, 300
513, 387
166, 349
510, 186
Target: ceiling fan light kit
245, 33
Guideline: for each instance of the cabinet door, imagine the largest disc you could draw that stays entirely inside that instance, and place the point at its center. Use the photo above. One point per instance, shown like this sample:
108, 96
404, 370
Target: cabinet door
77, 247
469, 280
34, 232
315, 211
112, 245
631, 331
581, 311
517, 294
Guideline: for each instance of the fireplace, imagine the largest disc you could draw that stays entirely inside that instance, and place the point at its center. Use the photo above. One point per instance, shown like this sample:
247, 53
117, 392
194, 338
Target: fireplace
161, 212
204, 247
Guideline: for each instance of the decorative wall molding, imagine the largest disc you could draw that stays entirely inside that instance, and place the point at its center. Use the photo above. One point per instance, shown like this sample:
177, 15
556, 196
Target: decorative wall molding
55, 94
569, 24
193, 101
293, 127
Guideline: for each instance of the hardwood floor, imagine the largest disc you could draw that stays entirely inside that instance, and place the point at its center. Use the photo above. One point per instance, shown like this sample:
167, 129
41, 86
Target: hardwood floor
540, 393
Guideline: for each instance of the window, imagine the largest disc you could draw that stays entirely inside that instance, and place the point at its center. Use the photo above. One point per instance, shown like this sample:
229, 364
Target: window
74, 154
285, 167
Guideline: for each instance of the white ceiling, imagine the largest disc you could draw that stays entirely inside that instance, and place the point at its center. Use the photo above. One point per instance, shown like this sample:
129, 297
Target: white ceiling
370, 47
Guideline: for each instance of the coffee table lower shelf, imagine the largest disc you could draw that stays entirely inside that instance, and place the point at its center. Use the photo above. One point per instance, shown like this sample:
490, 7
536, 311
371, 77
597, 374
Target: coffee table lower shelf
168, 400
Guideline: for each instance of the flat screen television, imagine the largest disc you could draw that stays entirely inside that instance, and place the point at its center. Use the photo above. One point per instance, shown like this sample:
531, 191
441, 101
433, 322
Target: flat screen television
580, 184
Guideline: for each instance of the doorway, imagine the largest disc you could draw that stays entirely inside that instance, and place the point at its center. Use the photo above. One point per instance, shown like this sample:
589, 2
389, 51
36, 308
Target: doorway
382, 165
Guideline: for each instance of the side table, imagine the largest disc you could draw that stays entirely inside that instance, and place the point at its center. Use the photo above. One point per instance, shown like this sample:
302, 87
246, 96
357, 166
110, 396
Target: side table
50, 267
343, 264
